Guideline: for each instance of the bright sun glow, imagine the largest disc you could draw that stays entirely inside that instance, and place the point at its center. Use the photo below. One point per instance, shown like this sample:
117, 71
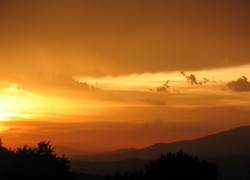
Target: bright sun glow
9, 115
18, 103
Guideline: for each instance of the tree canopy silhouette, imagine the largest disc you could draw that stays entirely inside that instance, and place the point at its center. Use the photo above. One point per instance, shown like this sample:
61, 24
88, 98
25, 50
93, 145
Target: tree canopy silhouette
41, 162
34, 163
174, 166
181, 166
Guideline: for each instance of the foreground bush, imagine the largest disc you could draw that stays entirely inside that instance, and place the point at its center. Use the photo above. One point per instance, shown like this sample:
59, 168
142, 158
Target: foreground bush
174, 166
28, 163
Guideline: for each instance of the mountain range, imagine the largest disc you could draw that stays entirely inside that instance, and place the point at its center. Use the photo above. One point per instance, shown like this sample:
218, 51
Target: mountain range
229, 150
233, 142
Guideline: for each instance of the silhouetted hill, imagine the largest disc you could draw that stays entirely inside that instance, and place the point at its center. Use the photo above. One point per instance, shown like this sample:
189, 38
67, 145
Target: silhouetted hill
230, 167
228, 143
229, 150
70, 151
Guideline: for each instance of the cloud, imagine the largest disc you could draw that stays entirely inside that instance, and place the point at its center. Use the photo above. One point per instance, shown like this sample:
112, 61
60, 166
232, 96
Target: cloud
48, 37
13, 129
153, 102
57, 85
205, 80
164, 88
5, 85
193, 80
240, 85
69, 82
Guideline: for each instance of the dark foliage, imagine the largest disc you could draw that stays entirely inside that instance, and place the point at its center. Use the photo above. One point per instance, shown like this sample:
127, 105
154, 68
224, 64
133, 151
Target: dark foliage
28, 163
174, 166
42, 163
180, 166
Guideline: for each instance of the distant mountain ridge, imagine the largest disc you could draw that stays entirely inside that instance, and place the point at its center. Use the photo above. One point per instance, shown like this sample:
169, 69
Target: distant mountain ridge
61, 150
227, 143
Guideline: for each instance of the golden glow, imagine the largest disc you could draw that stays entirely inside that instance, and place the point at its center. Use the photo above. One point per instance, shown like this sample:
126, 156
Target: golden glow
107, 75
10, 115
132, 100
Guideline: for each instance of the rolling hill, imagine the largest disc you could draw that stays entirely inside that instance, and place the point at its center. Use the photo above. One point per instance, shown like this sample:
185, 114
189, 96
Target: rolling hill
233, 142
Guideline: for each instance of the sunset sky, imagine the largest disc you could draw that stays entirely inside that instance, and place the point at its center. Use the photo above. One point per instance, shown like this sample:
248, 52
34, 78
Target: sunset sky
102, 75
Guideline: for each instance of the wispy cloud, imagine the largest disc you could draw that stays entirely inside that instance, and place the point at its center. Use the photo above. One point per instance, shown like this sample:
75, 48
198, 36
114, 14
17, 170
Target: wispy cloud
192, 79
153, 102
164, 88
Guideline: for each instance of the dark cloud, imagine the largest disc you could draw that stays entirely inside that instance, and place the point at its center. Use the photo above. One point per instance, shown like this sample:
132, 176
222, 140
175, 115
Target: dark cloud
153, 102
59, 84
205, 80
164, 88
113, 38
240, 85
193, 80
68, 82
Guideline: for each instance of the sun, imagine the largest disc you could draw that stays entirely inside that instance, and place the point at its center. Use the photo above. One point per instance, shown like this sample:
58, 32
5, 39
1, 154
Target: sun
13, 107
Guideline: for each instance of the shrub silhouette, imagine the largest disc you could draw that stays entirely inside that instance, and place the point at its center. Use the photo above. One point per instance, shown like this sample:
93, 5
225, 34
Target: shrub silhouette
41, 162
180, 166
173, 166
6, 157
36, 163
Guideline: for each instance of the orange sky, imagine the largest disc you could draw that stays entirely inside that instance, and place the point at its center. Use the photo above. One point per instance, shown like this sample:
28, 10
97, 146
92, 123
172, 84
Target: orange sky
102, 75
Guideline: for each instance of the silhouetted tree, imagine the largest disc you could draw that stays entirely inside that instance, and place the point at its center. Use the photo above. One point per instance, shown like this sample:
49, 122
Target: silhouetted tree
180, 166
6, 157
41, 162
173, 166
